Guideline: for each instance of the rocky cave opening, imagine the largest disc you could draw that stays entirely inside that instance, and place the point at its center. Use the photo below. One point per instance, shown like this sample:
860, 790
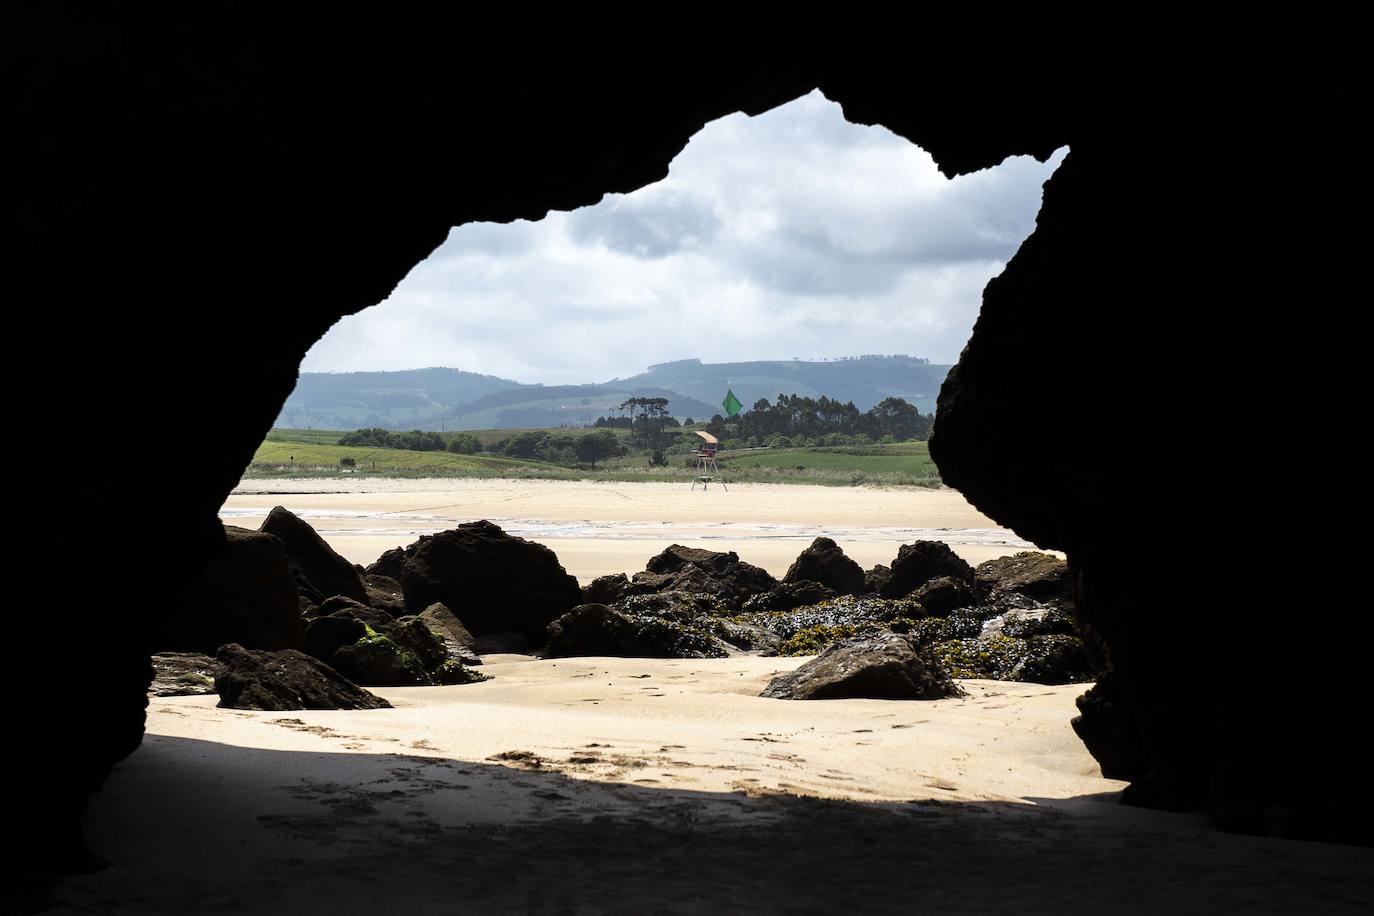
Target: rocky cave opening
236, 186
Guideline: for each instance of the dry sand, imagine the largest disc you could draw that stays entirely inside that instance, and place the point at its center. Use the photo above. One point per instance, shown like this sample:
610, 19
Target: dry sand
581, 786
606, 527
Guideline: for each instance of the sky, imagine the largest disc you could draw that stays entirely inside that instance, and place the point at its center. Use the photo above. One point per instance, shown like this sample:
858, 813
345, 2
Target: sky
790, 234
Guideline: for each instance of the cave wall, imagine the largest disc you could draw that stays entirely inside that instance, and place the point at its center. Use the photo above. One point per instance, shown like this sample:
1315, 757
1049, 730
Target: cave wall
194, 195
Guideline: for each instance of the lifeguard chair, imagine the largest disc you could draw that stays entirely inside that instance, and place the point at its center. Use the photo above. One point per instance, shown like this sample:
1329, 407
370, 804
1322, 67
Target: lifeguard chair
707, 470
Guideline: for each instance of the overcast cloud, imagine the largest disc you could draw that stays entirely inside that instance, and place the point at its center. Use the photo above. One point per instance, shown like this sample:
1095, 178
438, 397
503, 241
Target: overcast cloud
794, 233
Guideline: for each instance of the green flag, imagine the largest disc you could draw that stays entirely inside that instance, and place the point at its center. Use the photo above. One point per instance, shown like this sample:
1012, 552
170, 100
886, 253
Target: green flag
731, 403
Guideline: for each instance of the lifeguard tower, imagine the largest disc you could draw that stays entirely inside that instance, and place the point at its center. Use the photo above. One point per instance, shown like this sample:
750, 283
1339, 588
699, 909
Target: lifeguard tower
707, 470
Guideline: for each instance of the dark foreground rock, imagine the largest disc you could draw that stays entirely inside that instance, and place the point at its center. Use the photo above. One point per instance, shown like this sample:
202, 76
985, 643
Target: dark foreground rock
595, 629
491, 580
384, 593
370, 647
689, 569
918, 563
606, 589
826, 563
789, 595
246, 595
286, 680
945, 594
457, 638
178, 674
319, 570
884, 667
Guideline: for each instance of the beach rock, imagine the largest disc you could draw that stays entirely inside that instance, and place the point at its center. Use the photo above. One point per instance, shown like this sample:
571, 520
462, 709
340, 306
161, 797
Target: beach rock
945, 594
285, 680
788, 596
415, 636
918, 563
1037, 575
326, 635
390, 565
884, 667
384, 593
876, 578
245, 595
1034, 620
689, 569
1053, 659
445, 624
177, 674
826, 563
379, 661
606, 589
500, 582
752, 639
328, 573
339, 606
595, 629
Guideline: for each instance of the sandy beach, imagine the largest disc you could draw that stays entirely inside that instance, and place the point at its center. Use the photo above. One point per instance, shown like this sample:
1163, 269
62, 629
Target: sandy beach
608, 527
592, 785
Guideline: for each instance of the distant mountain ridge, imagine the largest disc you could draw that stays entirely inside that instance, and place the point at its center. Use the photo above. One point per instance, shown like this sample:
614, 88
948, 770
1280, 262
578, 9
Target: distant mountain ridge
454, 399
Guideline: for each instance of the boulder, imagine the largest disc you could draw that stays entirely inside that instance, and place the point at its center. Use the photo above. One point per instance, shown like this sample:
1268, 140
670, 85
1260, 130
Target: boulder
326, 572
826, 563
752, 639
1037, 575
444, 624
245, 595
326, 635
606, 589
789, 596
918, 563
339, 606
498, 581
945, 594
595, 629
177, 674
285, 680
384, 593
876, 578
688, 569
884, 667
379, 661
389, 565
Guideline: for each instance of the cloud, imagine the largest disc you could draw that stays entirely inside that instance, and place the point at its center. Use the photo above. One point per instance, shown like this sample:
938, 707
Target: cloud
793, 233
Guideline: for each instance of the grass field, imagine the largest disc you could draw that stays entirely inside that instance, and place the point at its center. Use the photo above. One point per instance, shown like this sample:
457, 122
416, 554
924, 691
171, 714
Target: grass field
313, 453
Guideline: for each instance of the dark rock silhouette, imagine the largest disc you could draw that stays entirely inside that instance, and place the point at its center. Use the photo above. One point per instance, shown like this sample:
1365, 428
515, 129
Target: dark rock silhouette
692, 570
918, 563
826, 563
326, 573
606, 589
384, 594
491, 580
945, 594
276, 173
245, 595
884, 667
788, 595
594, 629
285, 680
444, 624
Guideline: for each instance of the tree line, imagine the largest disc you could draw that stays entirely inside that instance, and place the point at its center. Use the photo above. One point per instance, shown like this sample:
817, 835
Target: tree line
801, 420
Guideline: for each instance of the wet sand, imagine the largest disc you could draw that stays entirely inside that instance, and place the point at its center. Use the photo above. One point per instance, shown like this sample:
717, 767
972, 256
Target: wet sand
583, 786
605, 527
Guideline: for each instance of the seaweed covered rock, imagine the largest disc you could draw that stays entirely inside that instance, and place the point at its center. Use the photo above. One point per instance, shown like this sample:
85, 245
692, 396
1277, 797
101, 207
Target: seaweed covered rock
690, 569
595, 629
326, 572
246, 595
373, 648
1056, 659
1037, 575
378, 661
606, 589
808, 630
285, 680
824, 562
326, 635
788, 596
918, 563
945, 594
888, 666
499, 582
177, 674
